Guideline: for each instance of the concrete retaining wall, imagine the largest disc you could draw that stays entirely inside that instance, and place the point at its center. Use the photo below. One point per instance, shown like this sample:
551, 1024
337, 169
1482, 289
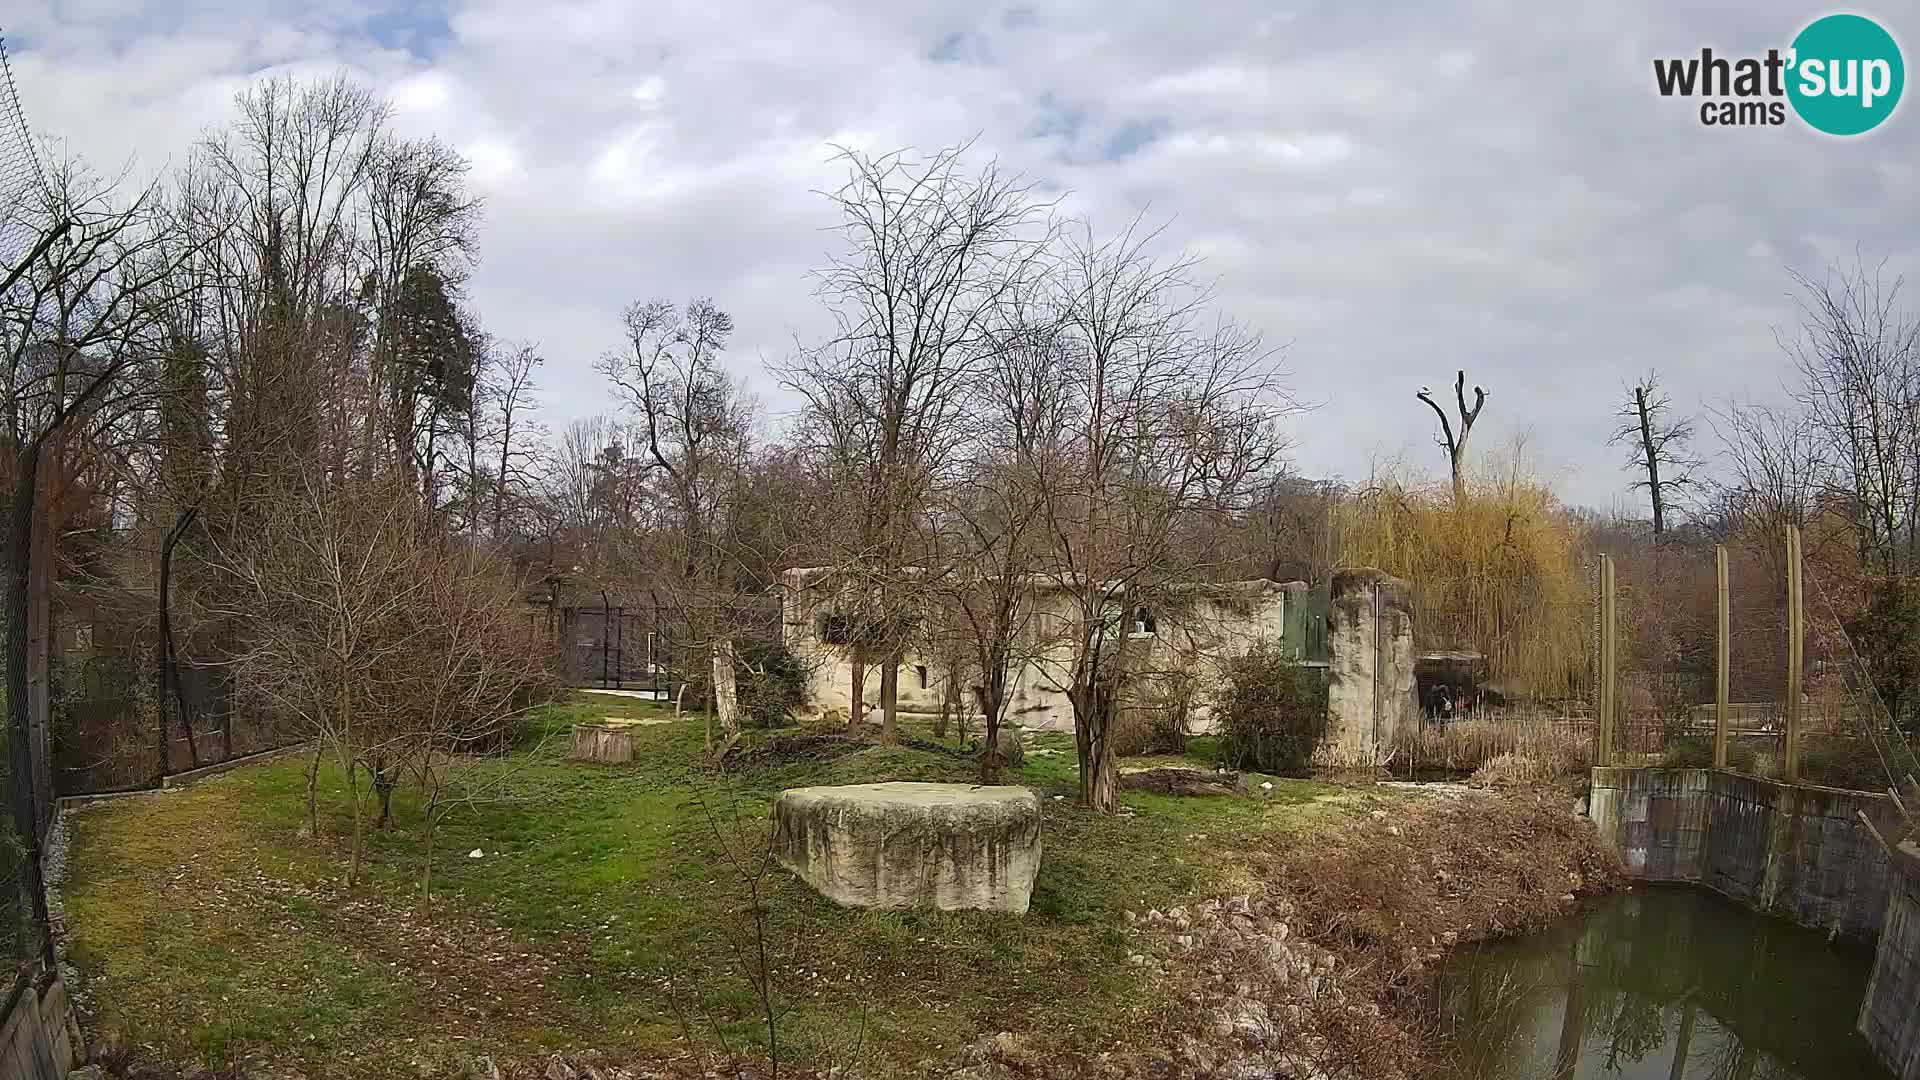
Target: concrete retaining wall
36, 1038
1888, 1018
1791, 850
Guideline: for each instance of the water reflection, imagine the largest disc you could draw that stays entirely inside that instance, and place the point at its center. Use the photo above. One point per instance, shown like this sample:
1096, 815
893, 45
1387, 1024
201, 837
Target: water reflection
1660, 983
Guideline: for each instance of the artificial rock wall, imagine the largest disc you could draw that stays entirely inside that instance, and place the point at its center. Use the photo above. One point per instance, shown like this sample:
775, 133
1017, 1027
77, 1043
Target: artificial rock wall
1888, 1018
1792, 850
1369, 663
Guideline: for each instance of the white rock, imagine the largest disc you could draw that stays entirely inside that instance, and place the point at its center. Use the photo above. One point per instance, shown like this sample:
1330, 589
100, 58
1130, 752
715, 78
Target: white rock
897, 845
476, 853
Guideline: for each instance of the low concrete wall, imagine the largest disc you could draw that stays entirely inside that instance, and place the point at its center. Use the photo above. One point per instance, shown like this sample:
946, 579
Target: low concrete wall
36, 1038
1792, 850
1888, 1018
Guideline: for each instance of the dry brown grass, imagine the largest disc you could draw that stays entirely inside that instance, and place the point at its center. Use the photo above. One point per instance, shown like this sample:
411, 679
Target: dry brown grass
1555, 747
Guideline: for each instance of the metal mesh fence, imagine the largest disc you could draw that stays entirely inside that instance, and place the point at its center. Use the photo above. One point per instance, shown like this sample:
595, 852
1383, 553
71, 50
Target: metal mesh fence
1667, 598
1667, 603
21, 178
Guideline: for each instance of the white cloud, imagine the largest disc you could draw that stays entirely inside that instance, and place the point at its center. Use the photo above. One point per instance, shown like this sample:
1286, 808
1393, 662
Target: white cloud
1397, 191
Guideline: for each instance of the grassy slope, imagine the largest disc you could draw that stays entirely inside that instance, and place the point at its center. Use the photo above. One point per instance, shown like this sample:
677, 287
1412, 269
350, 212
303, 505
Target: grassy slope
211, 931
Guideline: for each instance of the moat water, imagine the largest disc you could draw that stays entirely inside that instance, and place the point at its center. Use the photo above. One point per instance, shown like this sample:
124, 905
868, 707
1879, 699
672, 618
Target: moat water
1661, 984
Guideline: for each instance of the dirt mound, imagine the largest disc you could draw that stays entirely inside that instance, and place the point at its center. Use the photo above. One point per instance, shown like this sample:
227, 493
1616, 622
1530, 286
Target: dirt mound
1175, 781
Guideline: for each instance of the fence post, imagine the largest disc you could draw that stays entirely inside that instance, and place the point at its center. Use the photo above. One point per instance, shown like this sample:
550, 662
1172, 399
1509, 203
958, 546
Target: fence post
1722, 657
1796, 646
1609, 688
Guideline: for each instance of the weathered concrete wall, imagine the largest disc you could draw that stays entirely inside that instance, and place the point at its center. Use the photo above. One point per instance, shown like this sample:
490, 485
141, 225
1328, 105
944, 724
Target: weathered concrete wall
1197, 628
1655, 819
36, 1038
1370, 690
1792, 850
1890, 1013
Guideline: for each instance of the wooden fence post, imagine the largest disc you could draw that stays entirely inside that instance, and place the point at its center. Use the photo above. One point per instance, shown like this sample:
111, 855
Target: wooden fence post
1796, 645
1609, 667
1723, 658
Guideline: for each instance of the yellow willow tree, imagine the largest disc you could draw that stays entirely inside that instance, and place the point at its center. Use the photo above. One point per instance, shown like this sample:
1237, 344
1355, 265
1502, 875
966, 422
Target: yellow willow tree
1494, 568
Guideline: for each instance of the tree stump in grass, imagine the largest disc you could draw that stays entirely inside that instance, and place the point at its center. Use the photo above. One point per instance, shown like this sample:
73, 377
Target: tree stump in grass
602, 742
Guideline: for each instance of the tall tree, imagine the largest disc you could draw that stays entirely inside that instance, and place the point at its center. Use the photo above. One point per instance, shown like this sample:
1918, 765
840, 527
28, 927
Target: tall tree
1455, 444
930, 250
1171, 420
695, 431
1660, 447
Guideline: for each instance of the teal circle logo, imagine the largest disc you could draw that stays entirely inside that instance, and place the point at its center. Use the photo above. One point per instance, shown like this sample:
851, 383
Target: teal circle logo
1846, 74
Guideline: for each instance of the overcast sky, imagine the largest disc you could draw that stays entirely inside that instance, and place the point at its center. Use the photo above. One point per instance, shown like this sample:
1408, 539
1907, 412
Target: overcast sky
1390, 192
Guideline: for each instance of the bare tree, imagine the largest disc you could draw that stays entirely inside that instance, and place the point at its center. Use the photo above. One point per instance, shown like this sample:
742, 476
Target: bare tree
695, 428
931, 249
1858, 355
1660, 447
1171, 419
1456, 444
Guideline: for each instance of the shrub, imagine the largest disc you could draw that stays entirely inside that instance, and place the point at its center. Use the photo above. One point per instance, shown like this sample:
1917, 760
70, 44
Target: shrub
770, 681
1271, 713
1155, 721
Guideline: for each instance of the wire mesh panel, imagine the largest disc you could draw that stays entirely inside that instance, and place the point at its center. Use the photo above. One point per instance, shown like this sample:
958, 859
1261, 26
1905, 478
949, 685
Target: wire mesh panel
20, 181
20, 175
1853, 735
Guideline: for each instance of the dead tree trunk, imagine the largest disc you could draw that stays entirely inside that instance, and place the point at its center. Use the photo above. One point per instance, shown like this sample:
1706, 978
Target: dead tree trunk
1456, 445
1652, 455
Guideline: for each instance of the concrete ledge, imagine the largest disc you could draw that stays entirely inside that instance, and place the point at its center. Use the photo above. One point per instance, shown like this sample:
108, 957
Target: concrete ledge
192, 776
1888, 1020
1797, 851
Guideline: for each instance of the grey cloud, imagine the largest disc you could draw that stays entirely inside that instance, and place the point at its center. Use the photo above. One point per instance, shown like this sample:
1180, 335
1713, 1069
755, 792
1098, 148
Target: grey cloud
1393, 193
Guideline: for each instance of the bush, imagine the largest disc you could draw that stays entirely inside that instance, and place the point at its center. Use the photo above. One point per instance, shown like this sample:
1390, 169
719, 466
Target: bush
769, 679
1272, 712
1844, 762
1155, 721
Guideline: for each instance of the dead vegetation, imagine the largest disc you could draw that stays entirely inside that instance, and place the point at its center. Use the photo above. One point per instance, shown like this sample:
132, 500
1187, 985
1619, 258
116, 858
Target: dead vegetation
1323, 974
1171, 781
1550, 747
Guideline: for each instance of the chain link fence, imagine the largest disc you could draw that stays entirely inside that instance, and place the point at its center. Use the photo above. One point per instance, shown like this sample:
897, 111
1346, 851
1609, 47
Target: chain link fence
1668, 601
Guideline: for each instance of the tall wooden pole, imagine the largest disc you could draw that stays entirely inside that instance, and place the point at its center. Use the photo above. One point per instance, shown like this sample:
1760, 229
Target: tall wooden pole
1609, 685
1795, 652
1723, 659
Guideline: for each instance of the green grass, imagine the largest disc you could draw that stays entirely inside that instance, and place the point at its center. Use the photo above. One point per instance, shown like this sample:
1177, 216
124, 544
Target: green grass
211, 929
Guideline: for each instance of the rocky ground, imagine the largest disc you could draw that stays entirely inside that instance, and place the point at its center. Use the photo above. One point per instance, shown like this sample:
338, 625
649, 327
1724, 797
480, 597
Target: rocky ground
1321, 976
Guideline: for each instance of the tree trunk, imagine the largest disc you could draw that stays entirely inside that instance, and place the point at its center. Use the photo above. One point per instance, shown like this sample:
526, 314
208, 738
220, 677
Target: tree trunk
170, 693
725, 689
40, 625
890, 701
383, 783
857, 693
313, 784
1652, 455
949, 700
20, 757
1099, 781
990, 710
